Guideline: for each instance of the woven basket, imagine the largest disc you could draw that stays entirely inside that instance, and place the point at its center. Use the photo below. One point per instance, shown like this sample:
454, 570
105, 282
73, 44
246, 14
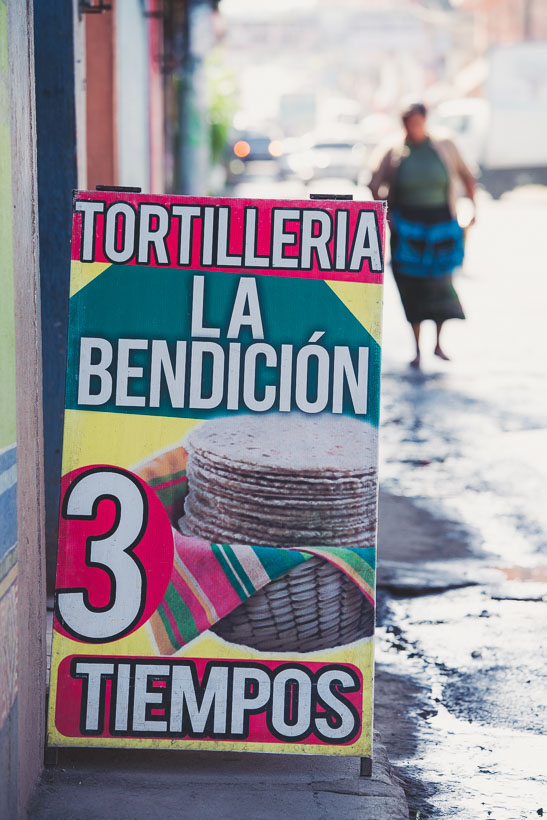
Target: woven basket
312, 607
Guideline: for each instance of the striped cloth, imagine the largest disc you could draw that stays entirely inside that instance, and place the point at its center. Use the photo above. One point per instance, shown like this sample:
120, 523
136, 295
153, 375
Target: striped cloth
210, 580
166, 474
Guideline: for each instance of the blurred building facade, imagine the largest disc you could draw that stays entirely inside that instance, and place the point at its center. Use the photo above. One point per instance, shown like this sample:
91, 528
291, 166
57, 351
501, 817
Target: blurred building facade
143, 60
374, 53
504, 22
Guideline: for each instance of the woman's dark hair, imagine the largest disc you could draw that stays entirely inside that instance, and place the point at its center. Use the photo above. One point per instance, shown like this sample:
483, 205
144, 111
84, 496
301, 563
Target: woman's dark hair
414, 108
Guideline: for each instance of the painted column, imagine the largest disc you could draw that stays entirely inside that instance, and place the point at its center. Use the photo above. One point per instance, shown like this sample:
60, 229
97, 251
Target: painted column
57, 177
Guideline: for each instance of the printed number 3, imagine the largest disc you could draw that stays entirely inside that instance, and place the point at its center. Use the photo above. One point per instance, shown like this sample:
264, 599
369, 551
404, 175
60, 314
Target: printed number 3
111, 552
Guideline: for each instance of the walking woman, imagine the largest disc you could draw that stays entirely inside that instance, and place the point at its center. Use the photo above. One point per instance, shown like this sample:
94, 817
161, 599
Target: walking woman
419, 177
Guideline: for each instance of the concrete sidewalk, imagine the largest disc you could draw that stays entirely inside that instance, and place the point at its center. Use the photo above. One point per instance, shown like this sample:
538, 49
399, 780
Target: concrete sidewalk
101, 784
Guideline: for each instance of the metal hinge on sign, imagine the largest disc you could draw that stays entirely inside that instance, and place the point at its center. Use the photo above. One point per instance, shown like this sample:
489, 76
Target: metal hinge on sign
121, 189
331, 196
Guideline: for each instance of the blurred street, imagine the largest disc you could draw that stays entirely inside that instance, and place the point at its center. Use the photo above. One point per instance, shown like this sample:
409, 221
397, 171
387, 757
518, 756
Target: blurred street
466, 443
462, 551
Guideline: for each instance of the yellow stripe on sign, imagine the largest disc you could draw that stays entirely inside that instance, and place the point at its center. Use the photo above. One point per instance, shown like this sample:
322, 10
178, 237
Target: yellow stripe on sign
135, 644
364, 300
123, 440
82, 273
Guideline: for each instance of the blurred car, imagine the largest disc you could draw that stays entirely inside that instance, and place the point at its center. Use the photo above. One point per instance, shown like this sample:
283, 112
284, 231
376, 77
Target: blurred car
338, 152
248, 147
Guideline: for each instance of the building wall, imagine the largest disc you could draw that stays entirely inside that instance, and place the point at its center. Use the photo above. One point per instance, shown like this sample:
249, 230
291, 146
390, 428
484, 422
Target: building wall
80, 96
22, 581
502, 22
8, 457
131, 49
102, 164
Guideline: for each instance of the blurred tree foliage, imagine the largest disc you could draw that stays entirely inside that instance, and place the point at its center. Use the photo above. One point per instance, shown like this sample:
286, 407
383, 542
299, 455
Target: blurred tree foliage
222, 105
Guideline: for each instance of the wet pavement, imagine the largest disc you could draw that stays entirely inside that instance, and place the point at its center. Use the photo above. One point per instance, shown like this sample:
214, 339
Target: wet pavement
461, 673
466, 444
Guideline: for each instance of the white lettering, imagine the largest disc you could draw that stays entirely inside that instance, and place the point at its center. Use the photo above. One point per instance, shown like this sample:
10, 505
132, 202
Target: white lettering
99, 369
124, 372
153, 236
187, 214
310, 242
197, 399
174, 377
250, 692
250, 229
357, 384
94, 672
366, 243
223, 239
345, 724
291, 703
119, 230
198, 295
281, 237
246, 297
207, 235
89, 212
249, 380
184, 699
144, 696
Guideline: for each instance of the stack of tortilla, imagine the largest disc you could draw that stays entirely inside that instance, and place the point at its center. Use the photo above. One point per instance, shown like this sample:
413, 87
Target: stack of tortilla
282, 480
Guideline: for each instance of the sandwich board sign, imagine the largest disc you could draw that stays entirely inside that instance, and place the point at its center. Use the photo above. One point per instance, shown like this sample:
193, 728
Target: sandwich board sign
217, 539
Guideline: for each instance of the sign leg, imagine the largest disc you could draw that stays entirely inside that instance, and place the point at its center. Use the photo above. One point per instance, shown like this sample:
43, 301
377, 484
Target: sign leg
51, 756
365, 769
